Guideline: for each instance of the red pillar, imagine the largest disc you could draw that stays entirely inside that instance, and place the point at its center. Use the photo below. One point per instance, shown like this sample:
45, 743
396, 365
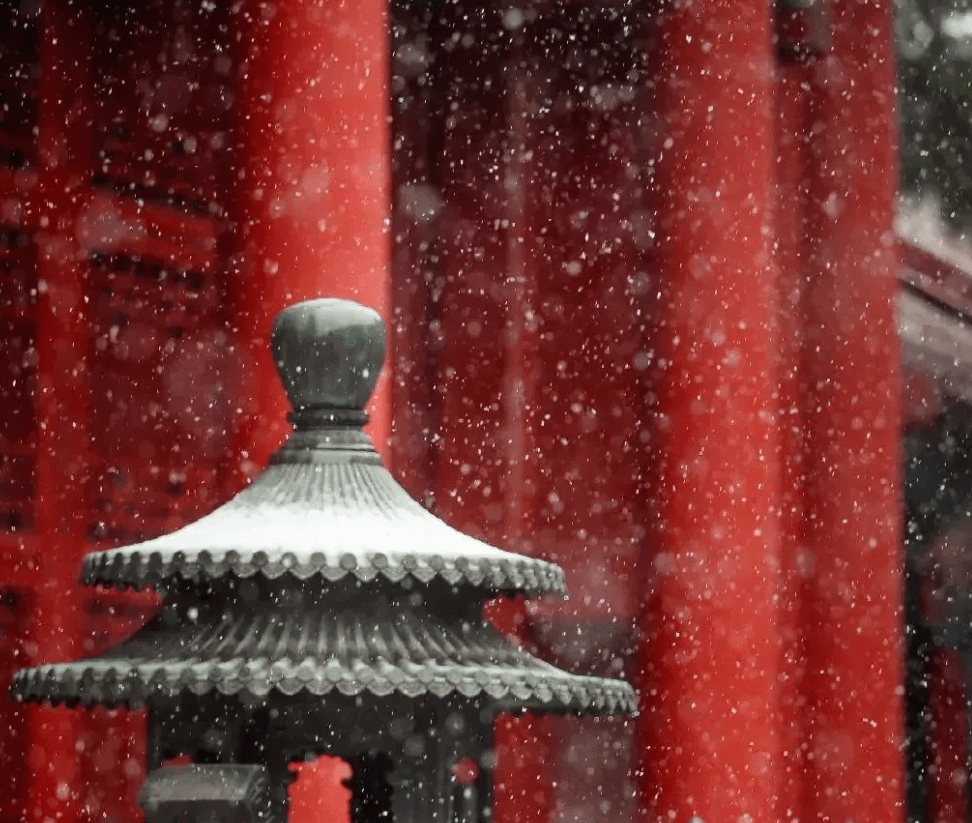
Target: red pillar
312, 206
948, 788
790, 220
854, 629
312, 191
63, 340
526, 759
708, 734
486, 462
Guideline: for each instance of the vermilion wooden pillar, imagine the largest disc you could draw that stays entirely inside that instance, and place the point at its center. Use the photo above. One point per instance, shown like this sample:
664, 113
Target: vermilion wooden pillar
708, 736
853, 564
526, 768
948, 788
312, 193
312, 207
62, 190
486, 463
791, 249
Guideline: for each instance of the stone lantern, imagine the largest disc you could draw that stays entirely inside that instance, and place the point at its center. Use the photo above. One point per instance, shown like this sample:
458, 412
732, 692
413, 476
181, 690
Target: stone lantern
321, 611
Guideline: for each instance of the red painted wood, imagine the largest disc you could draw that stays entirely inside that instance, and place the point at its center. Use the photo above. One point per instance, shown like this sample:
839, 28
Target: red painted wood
416, 200
53, 787
311, 215
526, 766
792, 159
544, 302
587, 180
312, 191
162, 107
318, 793
948, 780
853, 418
484, 384
18, 291
708, 738
14, 614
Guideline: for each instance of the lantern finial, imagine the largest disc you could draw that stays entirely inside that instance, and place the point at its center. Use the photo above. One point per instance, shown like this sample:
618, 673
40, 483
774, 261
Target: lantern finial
328, 354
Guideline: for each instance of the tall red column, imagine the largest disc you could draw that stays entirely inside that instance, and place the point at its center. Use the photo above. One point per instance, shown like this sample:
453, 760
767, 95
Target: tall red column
312, 208
708, 735
312, 199
853, 562
948, 789
790, 256
63, 341
526, 759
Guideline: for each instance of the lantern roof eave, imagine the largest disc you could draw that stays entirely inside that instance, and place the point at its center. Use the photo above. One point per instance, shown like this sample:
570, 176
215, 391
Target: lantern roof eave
358, 645
335, 520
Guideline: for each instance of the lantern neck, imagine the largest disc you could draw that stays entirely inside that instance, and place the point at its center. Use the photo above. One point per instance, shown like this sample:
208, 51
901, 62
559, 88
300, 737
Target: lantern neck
327, 436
